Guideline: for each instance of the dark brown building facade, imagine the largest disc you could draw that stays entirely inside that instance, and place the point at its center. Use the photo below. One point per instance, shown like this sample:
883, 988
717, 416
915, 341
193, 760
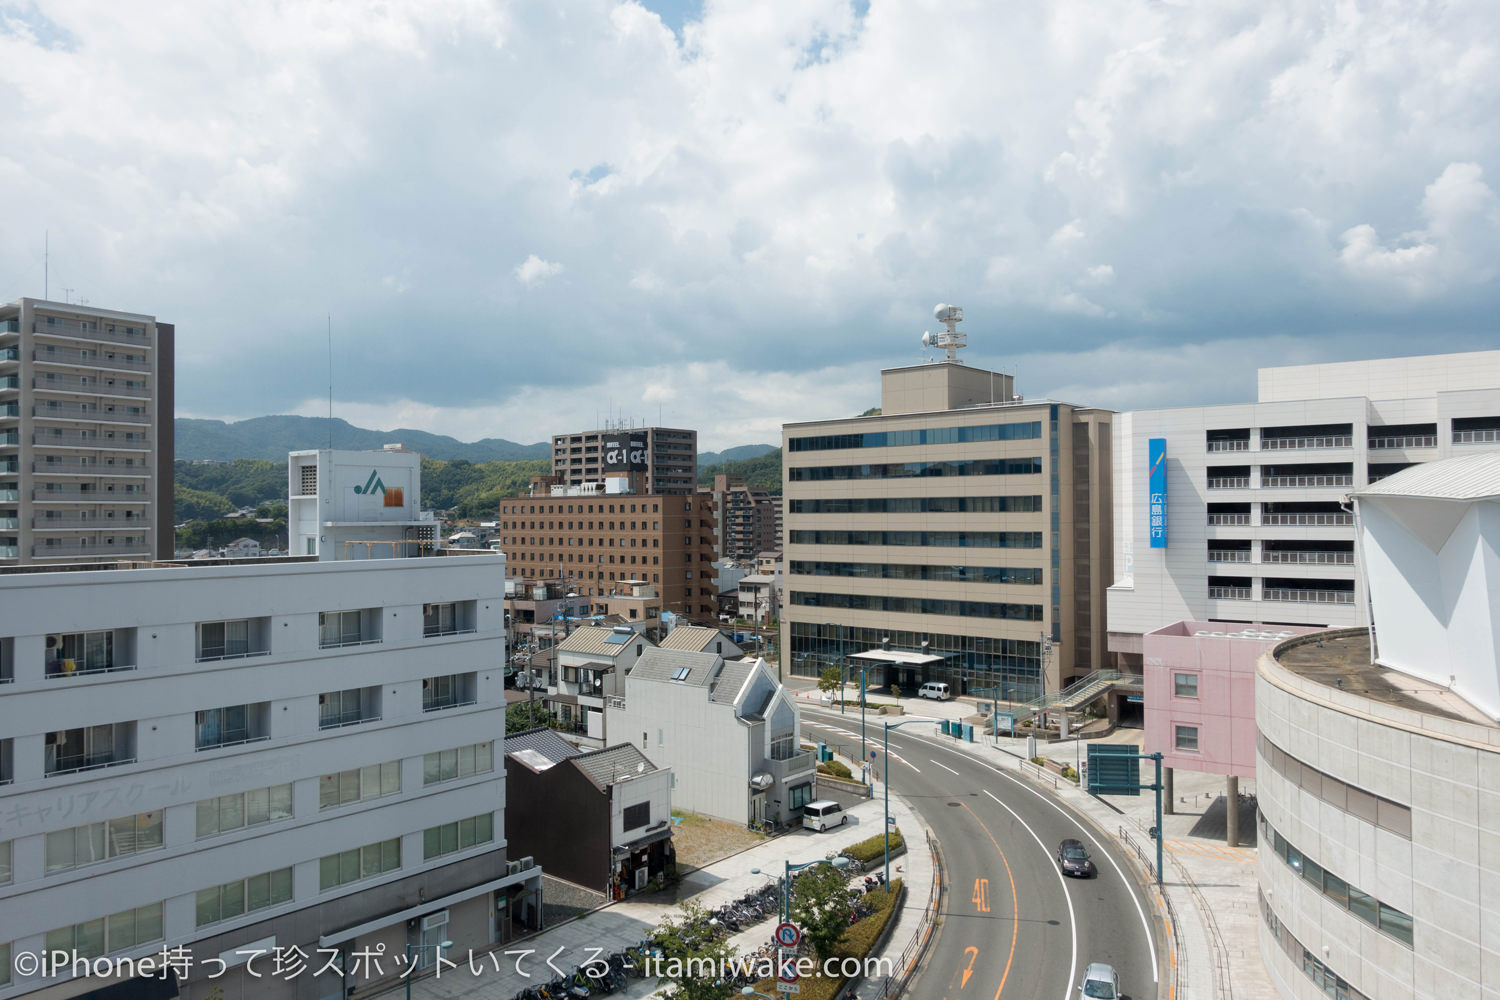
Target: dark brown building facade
746, 519
596, 542
666, 458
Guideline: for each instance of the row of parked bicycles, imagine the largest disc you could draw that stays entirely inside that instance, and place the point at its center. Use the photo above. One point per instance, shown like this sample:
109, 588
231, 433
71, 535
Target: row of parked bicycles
606, 975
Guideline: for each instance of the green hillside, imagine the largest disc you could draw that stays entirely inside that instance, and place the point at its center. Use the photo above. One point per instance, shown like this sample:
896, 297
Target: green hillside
762, 472
271, 438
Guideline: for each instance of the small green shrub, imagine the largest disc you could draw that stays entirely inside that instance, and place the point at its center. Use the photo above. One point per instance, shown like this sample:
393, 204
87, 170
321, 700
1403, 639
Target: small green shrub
868, 850
836, 769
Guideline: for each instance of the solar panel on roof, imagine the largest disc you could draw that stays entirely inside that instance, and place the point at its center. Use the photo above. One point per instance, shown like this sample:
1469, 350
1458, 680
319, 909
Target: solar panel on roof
618, 638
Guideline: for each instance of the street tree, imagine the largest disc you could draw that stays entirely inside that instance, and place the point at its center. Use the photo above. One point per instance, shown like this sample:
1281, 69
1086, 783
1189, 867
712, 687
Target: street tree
830, 680
695, 955
821, 904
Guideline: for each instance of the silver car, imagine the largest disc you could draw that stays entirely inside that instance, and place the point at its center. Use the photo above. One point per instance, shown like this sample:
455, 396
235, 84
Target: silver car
1100, 982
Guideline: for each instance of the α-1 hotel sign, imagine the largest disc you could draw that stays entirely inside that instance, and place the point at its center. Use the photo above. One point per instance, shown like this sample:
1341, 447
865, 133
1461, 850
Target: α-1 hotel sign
1156, 487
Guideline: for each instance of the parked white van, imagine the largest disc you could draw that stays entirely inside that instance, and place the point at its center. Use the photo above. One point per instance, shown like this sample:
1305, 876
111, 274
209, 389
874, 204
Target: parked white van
823, 814
935, 690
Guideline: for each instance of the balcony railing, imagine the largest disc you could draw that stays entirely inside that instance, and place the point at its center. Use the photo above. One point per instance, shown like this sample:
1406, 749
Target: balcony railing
1229, 593
91, 469
1228, 519
92, 413
75, 765
234, 739
59, 668
1403, 441
1235, 444
9, 439
93, 387
1307, 519
1486, 435
9, 354
216, 657
1282, 482
9, 382
441, 704
10, 552
88, 496
10, 495
92, 441
101, 549
1301, 443
88, 359
1229, 555
80, 523
10, 524
341, 643
1320, 558
343, 723
797, 763
1229, 482
432, 633
1309, 596
72, 331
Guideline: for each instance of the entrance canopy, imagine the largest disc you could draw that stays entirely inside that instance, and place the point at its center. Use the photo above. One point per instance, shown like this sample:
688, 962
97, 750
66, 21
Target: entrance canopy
902, 666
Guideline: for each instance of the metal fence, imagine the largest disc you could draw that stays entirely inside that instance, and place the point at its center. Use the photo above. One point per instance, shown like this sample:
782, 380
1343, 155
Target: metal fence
905, 966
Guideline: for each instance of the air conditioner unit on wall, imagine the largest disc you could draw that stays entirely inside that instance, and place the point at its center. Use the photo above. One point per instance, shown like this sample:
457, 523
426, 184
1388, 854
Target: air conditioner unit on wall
511, 867
54, 641
439, 919
527, 862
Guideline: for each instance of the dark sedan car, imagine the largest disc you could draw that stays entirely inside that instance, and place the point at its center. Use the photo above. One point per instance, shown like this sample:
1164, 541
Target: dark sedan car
1074, 860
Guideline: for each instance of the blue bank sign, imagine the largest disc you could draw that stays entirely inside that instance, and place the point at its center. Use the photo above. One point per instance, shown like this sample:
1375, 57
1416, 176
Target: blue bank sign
1156, 479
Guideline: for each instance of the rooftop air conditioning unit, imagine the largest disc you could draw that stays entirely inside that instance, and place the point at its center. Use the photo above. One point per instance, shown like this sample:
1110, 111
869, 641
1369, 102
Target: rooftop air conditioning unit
512, 867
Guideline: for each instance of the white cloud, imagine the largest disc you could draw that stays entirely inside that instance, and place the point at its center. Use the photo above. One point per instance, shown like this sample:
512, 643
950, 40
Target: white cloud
781, 189
534, 270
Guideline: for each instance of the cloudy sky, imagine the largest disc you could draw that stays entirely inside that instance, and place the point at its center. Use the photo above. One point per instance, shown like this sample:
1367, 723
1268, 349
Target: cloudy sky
525, 215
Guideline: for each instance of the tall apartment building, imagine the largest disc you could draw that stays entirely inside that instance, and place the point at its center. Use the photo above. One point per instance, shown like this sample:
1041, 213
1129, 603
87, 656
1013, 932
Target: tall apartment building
745, 519
86, 405
665, 457
963, 527
601, 544
256, 754
1255, 528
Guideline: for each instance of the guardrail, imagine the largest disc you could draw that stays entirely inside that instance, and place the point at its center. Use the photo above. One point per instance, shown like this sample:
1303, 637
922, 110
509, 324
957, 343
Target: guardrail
1032, 771
911, 955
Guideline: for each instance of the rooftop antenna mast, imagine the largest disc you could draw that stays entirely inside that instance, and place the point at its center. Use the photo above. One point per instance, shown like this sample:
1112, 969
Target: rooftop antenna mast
330, 381
951, 338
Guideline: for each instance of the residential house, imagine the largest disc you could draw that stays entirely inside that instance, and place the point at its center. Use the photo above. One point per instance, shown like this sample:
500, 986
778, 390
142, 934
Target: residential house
591, 666
727, 729
607, 822
698, 639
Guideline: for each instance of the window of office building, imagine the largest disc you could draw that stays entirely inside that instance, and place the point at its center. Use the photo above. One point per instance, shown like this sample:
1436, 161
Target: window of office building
242, 896
1185, 685
238, 810
457, 836
1186, 738
359, 863
460, 762
372, 781
94, 842
106, 935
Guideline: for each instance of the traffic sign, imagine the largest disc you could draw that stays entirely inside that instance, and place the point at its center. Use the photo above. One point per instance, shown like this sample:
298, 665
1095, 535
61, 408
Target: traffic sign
786, 967
1116, 770
788, 987
787, 935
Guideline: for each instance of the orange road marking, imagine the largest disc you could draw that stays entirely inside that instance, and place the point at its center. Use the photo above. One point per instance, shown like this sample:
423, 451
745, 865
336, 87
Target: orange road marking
973, 953
1015, 901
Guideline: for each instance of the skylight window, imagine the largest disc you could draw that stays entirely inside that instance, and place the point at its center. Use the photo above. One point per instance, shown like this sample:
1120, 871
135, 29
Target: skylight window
681, 673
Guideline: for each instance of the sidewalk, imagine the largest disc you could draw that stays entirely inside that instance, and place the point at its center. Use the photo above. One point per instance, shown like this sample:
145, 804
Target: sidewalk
1211, 888
619, 925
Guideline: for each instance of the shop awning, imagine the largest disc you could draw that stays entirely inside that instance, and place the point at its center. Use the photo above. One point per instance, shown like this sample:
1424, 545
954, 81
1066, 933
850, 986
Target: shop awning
643, 842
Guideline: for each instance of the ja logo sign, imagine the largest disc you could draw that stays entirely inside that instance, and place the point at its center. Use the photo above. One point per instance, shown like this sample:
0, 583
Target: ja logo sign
372, 485
389, 497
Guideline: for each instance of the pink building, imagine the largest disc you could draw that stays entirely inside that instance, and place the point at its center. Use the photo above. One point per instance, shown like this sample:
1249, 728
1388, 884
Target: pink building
1200, 693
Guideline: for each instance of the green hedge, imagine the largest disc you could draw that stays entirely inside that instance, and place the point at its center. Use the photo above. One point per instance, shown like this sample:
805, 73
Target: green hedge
837, 769
868, 850
856, 943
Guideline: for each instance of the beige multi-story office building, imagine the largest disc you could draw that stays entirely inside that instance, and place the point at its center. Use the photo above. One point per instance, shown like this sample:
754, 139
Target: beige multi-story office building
665, 459
963, 528
85, 434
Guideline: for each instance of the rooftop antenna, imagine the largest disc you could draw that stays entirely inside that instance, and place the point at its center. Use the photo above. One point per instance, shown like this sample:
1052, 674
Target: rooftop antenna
330, 381
951, 338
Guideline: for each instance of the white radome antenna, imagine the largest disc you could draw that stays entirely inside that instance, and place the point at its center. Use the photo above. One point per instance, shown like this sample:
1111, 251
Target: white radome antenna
950, 338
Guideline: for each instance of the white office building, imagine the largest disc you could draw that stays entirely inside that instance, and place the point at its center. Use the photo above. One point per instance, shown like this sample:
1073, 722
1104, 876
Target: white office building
1254, 528
357, 504
246, 755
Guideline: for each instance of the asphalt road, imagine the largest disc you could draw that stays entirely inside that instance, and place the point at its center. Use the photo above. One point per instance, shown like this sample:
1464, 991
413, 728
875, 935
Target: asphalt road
1013, 925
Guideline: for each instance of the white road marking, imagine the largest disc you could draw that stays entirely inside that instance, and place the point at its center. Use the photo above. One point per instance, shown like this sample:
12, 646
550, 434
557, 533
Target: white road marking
945, 767
1140, 910
1067, 895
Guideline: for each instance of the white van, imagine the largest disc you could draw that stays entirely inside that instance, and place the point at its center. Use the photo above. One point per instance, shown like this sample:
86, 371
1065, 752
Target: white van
823, 814
935, 690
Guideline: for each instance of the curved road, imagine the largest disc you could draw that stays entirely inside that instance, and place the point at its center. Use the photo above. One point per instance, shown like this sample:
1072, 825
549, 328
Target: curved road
1013, 926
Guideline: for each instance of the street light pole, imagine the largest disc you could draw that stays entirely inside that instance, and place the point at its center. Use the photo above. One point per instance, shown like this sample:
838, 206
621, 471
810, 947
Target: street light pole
887, 753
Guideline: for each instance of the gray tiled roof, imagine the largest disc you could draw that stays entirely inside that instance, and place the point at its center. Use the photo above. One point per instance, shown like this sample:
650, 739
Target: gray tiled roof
660, 665
544, 741
731, 679
605, 767
694, 637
